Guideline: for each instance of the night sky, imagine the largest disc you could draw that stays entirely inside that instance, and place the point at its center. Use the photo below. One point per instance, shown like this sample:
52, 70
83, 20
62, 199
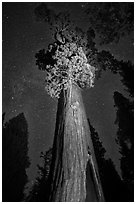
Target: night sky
23, 83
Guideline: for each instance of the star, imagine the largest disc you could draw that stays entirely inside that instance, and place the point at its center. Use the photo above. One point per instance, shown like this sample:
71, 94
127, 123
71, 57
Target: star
14, 67
41, 38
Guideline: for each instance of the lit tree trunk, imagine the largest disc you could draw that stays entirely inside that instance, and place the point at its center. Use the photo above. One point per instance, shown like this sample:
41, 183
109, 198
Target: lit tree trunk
73, 152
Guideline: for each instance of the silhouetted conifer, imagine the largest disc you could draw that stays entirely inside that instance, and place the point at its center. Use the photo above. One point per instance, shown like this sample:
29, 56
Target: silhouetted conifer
40, 190
14, 158
113, 187
125, 138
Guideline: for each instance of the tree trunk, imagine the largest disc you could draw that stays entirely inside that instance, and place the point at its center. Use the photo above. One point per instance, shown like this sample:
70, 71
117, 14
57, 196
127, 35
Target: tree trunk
73, 153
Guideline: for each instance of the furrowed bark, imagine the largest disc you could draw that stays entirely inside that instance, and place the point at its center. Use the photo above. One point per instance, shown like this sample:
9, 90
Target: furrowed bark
72, 151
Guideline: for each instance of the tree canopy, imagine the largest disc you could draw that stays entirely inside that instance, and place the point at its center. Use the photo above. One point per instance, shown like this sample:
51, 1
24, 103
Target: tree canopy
70, 65
65, 60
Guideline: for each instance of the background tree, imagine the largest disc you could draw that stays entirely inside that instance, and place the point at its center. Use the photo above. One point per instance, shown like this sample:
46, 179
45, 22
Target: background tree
68, 71
126, 69
127, 72
14, 158
119, 22
113, 187
40, 190
125, 138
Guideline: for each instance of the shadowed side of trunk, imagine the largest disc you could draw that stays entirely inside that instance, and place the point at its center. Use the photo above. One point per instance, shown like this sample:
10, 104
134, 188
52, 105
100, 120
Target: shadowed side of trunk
72, 151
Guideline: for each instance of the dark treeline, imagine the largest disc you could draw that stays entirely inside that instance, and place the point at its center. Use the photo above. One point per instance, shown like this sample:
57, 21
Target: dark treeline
14, 158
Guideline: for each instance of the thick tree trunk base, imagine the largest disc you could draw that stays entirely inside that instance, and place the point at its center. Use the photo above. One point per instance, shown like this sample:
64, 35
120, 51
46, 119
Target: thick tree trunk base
72, 151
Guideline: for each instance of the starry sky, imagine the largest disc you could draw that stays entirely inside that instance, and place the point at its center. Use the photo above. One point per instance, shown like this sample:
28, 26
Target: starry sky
23, 84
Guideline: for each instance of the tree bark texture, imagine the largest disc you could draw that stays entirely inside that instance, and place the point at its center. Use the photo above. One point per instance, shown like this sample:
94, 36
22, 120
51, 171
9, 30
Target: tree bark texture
72, 152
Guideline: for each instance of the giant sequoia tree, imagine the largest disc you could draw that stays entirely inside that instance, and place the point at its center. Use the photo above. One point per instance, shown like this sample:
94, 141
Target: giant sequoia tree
71, 62
68, 72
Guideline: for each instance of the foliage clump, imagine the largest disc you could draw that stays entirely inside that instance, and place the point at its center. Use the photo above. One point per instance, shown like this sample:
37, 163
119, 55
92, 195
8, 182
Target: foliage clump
68, 64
